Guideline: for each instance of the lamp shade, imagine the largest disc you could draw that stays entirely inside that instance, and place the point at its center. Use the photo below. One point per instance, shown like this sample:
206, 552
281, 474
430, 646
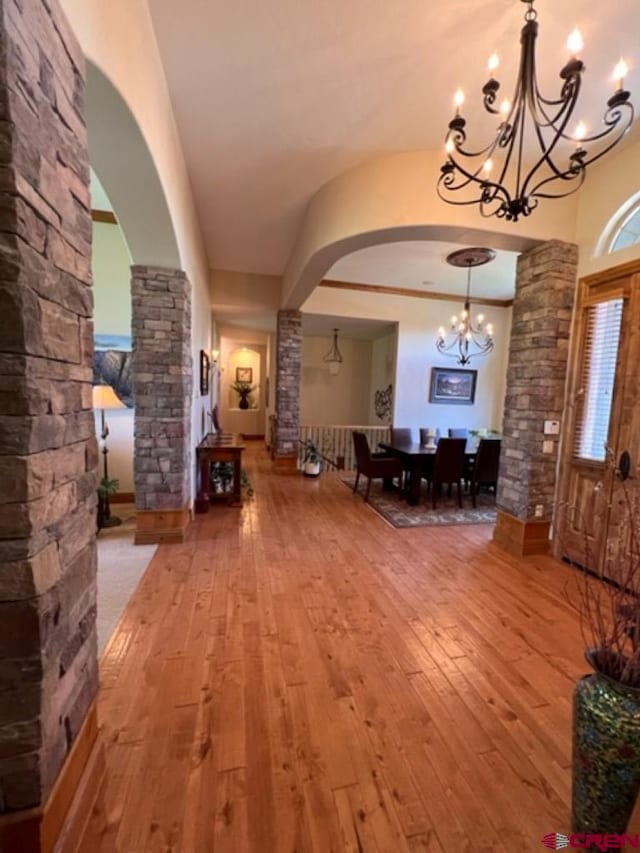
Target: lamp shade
104, 397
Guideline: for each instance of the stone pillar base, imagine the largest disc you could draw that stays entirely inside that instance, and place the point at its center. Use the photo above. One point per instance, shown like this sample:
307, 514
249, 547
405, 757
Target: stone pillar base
161, 526
285, 464
521, 536
38, 830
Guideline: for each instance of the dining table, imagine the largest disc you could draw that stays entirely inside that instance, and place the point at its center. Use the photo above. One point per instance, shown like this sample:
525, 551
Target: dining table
418, 461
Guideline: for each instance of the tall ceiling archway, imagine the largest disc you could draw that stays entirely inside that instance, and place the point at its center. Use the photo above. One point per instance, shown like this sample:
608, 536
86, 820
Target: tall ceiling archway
124, 164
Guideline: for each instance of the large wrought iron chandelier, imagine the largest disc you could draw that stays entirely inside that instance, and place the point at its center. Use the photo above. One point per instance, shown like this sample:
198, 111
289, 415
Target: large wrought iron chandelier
496, 176
467, 337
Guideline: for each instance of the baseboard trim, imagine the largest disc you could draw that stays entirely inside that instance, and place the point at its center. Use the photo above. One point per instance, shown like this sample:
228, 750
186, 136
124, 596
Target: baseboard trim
162, 526
522, 537
38, 830
122, 498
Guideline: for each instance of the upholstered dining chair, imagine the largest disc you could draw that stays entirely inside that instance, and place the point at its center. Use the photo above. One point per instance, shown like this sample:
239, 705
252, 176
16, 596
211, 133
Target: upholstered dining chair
448, 467
428, 432
458, 432
402, 435
373, 465
486, 467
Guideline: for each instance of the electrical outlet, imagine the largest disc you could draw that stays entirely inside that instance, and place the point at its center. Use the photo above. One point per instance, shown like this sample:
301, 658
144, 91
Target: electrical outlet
547, 447
552, 427
539, 511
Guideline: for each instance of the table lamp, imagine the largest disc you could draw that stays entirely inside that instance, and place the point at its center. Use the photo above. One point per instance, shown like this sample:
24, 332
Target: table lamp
104, 397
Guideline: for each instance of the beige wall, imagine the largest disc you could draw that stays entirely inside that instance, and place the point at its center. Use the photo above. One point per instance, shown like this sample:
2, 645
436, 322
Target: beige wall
609, 186
341, 399
118, 37
383, 371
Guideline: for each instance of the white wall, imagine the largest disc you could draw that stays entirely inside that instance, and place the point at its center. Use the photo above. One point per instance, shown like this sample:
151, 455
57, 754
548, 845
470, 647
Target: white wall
418, 322
112, 316
341, 399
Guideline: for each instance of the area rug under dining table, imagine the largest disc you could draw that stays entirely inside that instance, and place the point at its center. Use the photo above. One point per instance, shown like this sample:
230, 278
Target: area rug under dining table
392, 506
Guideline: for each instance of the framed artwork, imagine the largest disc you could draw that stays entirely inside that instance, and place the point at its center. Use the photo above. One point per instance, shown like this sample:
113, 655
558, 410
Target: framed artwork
112, 365
453, 386
244, 374
205, 369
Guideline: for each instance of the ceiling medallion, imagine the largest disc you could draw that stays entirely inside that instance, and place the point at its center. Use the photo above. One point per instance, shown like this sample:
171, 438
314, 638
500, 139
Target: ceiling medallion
531, 125
465, 337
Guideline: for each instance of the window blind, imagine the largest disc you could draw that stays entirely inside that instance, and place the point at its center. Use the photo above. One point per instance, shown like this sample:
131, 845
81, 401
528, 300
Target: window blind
600, 355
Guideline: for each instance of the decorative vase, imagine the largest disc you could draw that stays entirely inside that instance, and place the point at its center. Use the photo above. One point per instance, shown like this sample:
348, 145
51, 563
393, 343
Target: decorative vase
606, 754
243, 403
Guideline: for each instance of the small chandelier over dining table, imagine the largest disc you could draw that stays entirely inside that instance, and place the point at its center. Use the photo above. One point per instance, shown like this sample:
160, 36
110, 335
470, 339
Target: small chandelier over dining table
334, 356
530, 156
466, 337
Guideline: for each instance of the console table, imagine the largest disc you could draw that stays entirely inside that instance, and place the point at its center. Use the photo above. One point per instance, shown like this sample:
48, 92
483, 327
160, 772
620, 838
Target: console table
219, 447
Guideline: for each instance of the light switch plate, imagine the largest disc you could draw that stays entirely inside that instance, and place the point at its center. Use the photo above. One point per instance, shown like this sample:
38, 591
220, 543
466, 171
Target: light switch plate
552, 427
547, 447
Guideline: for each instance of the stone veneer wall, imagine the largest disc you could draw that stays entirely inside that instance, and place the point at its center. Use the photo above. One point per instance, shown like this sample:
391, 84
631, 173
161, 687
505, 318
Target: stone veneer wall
162, 382
536, 376
288, 376
48, 451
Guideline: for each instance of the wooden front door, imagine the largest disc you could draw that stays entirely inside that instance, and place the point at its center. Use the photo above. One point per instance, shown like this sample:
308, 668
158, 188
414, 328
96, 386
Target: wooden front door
602, 417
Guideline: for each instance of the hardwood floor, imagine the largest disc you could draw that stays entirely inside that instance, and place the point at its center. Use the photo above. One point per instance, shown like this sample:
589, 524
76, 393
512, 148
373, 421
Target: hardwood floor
299, 676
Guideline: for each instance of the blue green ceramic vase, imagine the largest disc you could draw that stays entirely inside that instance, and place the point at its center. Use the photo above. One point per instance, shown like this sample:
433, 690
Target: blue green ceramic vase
606, 754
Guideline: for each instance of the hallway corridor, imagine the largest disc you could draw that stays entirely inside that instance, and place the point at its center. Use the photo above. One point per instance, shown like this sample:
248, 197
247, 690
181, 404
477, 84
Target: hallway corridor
299, 676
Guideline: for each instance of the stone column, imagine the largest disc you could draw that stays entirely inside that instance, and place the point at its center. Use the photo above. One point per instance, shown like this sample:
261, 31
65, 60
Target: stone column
48, 451
162, 383
288, 376
536, 375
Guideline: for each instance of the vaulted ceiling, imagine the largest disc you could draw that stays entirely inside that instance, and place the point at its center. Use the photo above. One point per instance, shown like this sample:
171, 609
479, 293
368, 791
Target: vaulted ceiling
272, 99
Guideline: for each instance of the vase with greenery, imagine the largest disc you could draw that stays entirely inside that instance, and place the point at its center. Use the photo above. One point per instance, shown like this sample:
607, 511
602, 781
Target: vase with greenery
606, 704
243, 390
107, 488
311, 460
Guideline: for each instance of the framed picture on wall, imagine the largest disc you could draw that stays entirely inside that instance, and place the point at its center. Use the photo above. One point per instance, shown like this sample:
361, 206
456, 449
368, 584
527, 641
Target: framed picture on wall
244, 374
453, 386
205, 369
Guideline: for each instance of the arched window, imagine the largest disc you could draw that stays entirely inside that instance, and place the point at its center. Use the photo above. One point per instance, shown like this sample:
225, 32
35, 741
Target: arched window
628, 231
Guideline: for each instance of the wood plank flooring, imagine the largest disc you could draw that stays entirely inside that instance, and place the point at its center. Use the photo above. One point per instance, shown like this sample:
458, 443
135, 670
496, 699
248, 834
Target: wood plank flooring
299, 676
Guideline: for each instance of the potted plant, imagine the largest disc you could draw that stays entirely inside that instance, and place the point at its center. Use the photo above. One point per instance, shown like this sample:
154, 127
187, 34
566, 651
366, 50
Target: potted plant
243, 390
312, 460
606, 704
107, 488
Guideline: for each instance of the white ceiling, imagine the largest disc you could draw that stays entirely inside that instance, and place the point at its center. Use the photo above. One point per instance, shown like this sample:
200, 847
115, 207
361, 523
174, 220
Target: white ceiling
272, 99
349, 327
422, 266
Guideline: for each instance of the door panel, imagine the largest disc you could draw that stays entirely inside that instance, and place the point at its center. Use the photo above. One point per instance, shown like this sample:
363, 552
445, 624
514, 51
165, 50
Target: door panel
590, 526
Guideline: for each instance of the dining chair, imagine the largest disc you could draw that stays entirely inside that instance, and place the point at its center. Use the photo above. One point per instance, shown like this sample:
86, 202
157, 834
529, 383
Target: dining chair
456, 432
486, 467
428, 432
373, 465
402, 435
448, 467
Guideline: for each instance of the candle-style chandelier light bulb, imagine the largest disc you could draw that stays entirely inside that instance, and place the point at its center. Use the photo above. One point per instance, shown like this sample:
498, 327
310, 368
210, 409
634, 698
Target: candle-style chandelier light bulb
465, 337
530, 157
